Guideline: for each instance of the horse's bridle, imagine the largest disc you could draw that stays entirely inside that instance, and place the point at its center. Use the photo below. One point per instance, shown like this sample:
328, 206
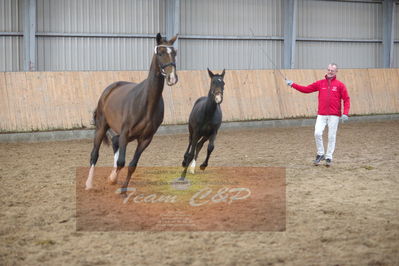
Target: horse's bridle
163, 66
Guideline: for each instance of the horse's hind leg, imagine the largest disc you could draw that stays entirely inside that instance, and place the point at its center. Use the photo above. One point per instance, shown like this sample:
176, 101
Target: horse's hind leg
98, 138
211, 146
185, 162
142, 144
197, 151
113, 177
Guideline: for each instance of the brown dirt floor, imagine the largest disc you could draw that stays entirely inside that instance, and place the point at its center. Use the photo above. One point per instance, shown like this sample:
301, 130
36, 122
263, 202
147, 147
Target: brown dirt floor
344, 215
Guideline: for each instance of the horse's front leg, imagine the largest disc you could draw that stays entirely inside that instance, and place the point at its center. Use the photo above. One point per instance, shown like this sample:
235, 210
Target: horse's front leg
211, 146
197, 151
142, 144
189, 155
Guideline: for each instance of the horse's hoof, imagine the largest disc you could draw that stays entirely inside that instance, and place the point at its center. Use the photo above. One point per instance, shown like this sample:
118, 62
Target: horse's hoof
191, 170
183, 163
88, 188
202, 167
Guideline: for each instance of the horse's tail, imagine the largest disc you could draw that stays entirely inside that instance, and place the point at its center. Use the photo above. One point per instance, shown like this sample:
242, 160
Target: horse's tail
95, 123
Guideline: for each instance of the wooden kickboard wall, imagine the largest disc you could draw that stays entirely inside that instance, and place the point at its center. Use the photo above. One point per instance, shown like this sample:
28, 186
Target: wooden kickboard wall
37, 101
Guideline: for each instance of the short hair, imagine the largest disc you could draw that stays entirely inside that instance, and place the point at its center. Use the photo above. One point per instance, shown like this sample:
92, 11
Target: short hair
334, 64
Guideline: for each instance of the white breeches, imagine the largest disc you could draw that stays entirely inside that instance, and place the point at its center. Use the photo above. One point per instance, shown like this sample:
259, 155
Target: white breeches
332, 121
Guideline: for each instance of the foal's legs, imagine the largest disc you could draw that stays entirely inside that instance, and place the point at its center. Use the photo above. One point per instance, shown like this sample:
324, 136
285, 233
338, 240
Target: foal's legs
142, 144
189, 155
211, 146
98, 138
190, 138
197, 150
115, 146
185, 162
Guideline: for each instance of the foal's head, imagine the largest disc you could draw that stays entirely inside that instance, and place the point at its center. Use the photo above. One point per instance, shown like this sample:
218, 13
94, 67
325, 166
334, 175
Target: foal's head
166, 57
217, 86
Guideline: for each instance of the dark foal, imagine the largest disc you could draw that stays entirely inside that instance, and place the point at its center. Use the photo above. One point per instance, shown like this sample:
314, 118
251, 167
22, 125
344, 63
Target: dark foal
204, 123
133, 111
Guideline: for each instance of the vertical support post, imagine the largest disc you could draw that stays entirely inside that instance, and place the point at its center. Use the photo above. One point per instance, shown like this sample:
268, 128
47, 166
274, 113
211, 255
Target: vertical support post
388, 11
29, 35
290, 8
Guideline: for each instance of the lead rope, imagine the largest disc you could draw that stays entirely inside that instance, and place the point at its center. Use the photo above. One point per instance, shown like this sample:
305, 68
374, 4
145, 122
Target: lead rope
267, 56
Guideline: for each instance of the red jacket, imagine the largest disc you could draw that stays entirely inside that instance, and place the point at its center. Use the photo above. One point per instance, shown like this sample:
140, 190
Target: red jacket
330, 94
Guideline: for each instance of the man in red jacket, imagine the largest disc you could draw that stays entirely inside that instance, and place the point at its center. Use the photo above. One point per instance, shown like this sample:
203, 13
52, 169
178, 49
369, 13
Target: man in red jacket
331, 92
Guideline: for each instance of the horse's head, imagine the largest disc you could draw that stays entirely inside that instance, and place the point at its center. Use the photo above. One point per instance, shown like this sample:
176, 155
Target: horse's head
217, 86
166, 56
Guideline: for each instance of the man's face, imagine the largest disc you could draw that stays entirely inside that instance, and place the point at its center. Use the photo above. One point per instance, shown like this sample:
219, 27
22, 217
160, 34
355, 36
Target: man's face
331, 71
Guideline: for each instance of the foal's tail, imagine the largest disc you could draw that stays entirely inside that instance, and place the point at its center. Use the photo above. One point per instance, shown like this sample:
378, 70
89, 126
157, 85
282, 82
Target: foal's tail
95, 123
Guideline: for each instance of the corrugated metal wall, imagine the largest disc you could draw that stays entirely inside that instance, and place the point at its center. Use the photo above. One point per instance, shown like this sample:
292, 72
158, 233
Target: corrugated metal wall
83, 53
396, 37
311, 55
209, 20
11, 58
229, 54
72, 34
339, 20
101, 18
231, 17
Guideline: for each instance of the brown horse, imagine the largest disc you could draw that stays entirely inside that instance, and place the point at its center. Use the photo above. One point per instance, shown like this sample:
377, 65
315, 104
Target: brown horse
133, 112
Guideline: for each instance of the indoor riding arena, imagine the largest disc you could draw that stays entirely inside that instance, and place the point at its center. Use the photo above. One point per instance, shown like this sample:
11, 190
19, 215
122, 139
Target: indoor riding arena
57, 58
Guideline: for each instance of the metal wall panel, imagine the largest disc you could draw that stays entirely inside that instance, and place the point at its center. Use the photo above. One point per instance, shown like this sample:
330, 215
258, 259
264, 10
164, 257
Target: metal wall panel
328, 19
396, 37
342, 22
100, 16
316, 19
78, 53
232, 18
396, 55
97, 17
347, 55
9, 16
10, 45
396, 23
229, 54
10, 53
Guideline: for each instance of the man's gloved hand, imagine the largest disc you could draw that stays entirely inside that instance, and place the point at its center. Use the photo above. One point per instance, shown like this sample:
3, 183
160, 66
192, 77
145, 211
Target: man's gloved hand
344, 118
289, 82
